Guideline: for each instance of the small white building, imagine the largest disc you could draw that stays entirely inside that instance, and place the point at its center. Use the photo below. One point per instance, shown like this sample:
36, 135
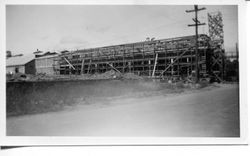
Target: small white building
21, 64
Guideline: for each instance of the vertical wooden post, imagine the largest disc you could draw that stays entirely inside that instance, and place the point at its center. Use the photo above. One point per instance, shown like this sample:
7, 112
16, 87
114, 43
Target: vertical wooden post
156, 58
82, 67
123, 59
143, 64
133, 59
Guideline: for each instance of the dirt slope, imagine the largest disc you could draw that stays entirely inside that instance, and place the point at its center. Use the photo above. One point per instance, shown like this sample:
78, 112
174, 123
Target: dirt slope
201, 114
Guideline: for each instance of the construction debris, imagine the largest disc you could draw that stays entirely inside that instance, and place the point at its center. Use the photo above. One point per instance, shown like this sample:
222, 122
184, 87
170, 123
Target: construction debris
111, 74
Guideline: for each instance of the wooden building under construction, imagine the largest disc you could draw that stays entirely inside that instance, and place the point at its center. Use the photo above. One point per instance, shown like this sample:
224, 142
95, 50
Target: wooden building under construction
174, 57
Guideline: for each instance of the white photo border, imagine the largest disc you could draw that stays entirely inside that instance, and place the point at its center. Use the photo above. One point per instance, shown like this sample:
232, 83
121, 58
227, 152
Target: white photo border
26, 141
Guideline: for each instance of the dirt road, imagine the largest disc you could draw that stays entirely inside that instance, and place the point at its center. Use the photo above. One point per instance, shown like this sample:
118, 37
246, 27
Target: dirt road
204, 113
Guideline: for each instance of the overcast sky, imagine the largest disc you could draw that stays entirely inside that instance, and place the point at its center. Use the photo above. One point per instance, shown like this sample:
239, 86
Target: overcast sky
56, 28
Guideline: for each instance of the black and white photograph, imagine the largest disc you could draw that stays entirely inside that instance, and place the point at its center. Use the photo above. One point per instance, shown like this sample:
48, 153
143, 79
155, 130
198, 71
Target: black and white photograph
162, 71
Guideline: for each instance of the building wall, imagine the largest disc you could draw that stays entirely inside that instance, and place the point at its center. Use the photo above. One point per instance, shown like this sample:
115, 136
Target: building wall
12, 69
30, 67
46, 70
45, 65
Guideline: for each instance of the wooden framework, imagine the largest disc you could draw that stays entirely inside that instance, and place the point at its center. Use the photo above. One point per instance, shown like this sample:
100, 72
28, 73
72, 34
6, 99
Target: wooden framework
169, 58
216, 33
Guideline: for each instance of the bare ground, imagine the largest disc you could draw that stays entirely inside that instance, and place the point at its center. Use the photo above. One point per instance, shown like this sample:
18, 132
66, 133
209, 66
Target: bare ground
208, 112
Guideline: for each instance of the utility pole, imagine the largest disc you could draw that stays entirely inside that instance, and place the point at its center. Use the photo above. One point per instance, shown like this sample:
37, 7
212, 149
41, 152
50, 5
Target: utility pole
197, 23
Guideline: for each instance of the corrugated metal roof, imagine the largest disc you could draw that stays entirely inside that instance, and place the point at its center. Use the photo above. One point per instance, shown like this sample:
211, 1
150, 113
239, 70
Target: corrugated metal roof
19, 60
